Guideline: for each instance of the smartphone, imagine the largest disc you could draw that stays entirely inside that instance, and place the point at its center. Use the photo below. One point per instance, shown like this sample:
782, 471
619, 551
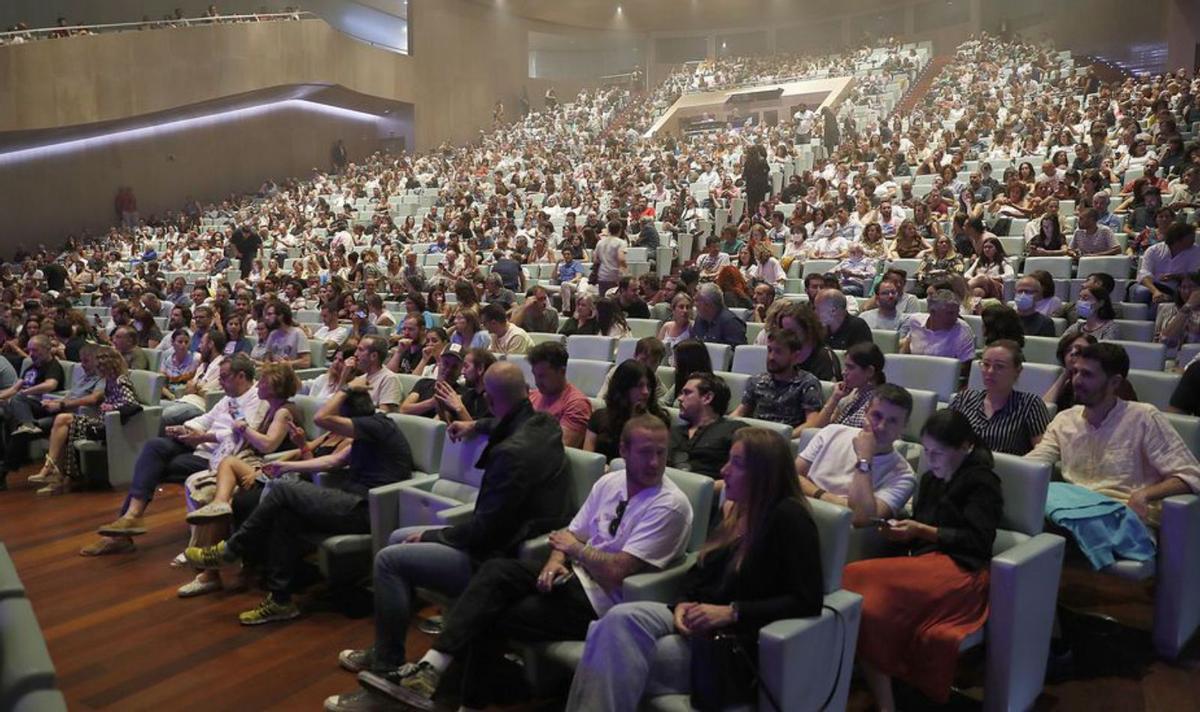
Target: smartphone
562, 579
879, 522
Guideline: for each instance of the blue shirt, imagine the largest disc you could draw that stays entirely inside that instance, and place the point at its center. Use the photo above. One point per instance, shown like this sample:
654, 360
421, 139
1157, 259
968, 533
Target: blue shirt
568, 271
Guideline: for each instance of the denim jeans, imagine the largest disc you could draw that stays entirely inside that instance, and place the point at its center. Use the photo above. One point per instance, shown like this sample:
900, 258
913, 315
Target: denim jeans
399, 569
161, 460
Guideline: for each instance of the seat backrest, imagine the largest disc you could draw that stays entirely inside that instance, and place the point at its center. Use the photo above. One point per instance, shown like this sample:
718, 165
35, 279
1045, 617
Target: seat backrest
888, 340
924, 405
316, 353
459, 458
737, 386
1188, 427
539, 337
407, 382
425, 437
584, 468
641, 328
588, 376
1135, 329
1147, 357
833, 527
69, 368
148, 386
308, 405
1116, 265
592, 348
1154, 387
625, 349
928, 373
699, 491
1058, 267
1041, 349
1025, 484
749, 359
719, 355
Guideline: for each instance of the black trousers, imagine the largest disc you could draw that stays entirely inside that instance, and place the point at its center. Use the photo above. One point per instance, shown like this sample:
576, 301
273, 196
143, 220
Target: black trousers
502, 603
285, 513
15, 413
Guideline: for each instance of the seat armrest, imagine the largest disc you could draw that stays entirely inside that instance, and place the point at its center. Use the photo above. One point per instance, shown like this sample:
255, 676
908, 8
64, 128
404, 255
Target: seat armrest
1022, 595
421, 481
383, 505
806, 644
456, 515
1177, 594
535, 549
663, 586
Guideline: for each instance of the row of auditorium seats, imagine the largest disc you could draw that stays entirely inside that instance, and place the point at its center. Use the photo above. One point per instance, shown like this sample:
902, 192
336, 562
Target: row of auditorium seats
27, 676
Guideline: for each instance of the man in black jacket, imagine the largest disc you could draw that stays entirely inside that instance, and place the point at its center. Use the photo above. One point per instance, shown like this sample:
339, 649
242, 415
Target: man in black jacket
524, 493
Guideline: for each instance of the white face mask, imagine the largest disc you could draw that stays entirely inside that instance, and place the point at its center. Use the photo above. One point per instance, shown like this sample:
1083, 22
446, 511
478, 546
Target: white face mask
1024, 301
1084, 309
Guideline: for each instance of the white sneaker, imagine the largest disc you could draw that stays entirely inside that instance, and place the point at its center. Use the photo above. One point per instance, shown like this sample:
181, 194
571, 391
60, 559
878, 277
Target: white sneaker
210, 511
196, 587
179, 561
27, 429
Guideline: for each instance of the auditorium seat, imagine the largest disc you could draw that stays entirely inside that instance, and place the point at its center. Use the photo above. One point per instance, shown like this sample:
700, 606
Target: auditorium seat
592, 348
1058, 267
1154, 387
123, 442
737, 386
25, 665
749, 359
1035, 378
930, 373
10, 582
588, 376
1144, 356
539, 337
1118, 266
449, 496
720, 355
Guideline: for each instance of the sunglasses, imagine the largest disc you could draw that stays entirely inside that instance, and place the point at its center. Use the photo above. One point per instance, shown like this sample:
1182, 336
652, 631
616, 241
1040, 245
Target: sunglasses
615, 524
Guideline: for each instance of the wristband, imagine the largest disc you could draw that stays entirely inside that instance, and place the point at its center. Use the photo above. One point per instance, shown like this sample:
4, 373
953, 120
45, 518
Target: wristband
818, 494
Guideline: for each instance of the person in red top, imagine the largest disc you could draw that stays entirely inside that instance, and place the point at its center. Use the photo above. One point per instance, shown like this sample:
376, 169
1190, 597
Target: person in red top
557, 397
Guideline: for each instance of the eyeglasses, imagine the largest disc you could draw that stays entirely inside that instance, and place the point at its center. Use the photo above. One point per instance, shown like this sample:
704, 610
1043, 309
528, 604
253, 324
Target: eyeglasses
615, 524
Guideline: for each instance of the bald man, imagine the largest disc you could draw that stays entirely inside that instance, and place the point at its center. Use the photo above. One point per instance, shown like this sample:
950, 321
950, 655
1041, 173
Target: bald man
524, 493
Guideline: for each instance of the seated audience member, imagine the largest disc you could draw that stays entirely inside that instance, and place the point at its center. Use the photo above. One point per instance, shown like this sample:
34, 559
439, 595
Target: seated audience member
701, 442
1097, 314
691, 357
556, 396
785, 393
331, 333
470, 402
536, 314
1178, 321
336, 376
87, 391
815, 357
940, 332
649, 351
1186, 397
178, 365
905, 303
767, 272
679, 327
918, 609
124, 340
632, 521
1163, 266
713, 259
760, 565
859, 468
179, 318
1091, 239
62, 461
990, 269
939, 264
1006, 420
886, 314
274, 533
847, 405
1046, 302
286, 341
764, 297
1061, 393
494, 292
1033, 322
714, 322
243, 469
436, 340
1000, 322
22, 403
1151, 461
382, 385
200, 443
1049, 240
856, 272
627, 298
410, 345
630, 394
734, 289
467, 331
423, 399
523, 493
206, 379
842, 330
583, 321
506, 338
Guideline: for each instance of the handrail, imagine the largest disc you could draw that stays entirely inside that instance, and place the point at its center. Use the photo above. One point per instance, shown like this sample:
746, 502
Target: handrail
190, 21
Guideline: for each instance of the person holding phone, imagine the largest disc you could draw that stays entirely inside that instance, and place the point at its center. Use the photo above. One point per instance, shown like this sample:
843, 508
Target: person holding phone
918, 608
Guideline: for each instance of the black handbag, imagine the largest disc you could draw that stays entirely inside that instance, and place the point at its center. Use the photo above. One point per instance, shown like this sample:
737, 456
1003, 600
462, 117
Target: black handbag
722, 673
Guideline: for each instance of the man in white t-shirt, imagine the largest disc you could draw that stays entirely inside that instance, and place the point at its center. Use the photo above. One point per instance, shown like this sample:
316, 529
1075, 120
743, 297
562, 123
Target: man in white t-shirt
610, 253
860, 468
634, 520
383, 385
287, 342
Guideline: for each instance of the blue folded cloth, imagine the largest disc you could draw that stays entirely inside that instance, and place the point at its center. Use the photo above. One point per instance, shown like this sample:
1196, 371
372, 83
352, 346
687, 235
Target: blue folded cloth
1104, 528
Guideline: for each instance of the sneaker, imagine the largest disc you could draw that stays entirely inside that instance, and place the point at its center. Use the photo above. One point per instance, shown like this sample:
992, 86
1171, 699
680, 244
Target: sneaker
413, 684
209, 557
356, 660
361, 701
198, 587
125, 526
269, 611
179, 562
210, 511
28, 429
431, 625
109, 545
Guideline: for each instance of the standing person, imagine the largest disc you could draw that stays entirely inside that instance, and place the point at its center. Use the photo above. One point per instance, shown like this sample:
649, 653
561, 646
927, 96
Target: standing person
756, 177
917, 609
633, 520
275, 532
609, 258
524, 492
339, 157
246, 242
761, 564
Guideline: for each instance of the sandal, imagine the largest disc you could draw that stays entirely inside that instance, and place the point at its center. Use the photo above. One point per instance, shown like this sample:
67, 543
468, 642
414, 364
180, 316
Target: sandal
49, 469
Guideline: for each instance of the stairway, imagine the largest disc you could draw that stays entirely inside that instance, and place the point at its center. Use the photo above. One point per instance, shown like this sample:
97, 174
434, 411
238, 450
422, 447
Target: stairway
919, 88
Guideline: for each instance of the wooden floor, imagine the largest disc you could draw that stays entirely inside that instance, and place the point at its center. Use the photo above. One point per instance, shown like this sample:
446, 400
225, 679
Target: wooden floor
121, 639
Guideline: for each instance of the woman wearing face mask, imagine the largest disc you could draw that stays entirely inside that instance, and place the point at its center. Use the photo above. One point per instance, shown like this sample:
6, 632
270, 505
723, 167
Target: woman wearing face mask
1096, 315
941, 586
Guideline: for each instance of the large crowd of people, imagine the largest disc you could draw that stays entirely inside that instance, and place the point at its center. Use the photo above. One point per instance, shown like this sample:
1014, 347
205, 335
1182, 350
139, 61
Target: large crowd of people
455, 265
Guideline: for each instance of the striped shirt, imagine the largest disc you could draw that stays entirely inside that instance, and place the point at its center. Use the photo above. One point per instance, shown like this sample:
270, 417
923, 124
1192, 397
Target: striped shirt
1012, 428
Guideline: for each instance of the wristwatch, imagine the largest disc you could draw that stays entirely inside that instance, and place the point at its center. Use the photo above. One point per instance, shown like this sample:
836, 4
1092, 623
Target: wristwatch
864, 465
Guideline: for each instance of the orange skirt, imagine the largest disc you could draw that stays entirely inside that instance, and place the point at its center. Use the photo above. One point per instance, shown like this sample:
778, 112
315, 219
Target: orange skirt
916, 613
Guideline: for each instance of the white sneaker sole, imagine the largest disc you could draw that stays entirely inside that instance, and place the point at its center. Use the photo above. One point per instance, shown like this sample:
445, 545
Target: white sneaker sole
380, 684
